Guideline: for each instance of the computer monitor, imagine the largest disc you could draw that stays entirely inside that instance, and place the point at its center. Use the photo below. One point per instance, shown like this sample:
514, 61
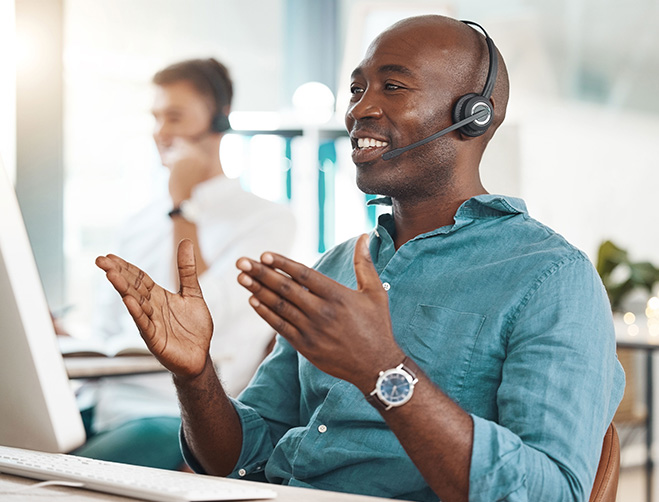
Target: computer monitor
37, 405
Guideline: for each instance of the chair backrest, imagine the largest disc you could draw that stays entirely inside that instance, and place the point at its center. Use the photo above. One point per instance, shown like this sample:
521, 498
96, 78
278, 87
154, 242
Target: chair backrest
608, 470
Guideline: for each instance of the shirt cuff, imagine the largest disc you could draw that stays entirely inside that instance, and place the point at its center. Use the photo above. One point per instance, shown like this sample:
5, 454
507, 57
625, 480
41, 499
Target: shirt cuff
257, 445
187, 454
497, 463
254, 454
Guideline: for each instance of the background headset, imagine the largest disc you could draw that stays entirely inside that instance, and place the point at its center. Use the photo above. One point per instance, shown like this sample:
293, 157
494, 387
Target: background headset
472, 113
219, 121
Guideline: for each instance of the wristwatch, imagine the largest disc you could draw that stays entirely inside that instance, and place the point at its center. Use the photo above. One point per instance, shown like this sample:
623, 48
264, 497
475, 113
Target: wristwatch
188, 210
395, 386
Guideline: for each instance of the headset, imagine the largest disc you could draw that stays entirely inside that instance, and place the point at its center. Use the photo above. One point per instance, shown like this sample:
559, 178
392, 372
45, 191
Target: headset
219, 122
472, 113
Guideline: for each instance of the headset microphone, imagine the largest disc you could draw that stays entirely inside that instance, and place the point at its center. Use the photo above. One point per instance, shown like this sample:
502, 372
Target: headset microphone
482, 114
472, 113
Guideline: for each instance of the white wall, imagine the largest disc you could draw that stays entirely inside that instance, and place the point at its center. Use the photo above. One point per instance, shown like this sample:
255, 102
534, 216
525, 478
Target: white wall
593, 174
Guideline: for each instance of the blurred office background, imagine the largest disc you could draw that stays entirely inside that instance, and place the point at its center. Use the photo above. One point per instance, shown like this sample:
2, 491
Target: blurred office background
580, 143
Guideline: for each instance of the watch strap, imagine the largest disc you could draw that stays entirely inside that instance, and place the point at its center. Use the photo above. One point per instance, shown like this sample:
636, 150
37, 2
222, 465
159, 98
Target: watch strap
177, 211
410, 367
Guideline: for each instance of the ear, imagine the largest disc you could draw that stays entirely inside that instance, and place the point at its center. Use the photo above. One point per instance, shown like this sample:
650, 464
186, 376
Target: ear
487, 135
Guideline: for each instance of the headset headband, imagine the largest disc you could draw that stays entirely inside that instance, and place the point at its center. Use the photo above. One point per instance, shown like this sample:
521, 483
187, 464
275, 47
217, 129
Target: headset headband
494, 62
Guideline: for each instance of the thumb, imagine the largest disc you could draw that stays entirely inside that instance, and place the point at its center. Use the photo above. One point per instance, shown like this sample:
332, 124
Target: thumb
367, 276
187, 269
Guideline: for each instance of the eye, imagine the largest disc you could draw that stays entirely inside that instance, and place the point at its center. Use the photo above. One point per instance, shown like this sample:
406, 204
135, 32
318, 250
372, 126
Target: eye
389, 86
173, 118
356, 89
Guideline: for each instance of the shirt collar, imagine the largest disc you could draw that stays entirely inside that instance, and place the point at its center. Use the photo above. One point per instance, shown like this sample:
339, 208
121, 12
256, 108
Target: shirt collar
490, 206
480, 207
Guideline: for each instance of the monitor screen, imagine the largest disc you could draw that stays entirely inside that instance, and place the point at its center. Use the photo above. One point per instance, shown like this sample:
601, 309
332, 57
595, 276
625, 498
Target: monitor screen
37, 405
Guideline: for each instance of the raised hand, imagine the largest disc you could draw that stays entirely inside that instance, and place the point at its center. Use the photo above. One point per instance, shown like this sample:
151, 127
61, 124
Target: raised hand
177, 327
345, 333
190, 163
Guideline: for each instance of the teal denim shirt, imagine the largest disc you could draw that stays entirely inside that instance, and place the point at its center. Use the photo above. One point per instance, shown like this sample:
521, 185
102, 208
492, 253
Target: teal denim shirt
506, 317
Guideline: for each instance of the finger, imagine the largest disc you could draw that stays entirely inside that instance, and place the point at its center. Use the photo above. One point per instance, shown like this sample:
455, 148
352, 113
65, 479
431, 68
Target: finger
280, 325
187, 269
125, 289
312, 280
277, 282
133, 275
276, 303
104, 263
365, 273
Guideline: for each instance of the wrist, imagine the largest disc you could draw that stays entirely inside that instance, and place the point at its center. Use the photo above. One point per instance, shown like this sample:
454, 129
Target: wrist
367, 378
180, 190
187, 210
394, 386
194, 378
180, 197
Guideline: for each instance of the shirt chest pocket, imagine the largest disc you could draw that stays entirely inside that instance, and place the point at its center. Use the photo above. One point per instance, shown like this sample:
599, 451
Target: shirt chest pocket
442, 341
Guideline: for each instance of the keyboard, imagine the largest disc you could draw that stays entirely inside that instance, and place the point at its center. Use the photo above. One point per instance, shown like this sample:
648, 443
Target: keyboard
128, 480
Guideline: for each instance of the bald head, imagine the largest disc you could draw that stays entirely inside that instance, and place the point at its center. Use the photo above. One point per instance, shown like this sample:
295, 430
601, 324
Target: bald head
451, 44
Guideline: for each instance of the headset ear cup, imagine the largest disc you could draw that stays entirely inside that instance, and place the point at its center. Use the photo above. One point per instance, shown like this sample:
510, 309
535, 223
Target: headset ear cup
459, 108
462, 110
220, 123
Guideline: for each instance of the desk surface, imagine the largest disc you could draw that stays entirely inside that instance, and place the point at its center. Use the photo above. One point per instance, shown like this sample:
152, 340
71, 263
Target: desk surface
9, 484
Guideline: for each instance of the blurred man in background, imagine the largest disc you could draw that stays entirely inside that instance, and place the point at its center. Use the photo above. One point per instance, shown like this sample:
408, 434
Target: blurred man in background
136, 419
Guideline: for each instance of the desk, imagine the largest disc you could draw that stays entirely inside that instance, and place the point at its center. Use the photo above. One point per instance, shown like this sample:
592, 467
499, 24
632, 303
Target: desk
284, 493
96, 367
649, 345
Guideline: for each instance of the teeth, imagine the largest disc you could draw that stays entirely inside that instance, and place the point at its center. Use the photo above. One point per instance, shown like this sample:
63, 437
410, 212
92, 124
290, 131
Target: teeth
370, 143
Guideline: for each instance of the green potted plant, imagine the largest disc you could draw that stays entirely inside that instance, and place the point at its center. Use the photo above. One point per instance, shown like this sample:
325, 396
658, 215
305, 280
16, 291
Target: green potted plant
621, 276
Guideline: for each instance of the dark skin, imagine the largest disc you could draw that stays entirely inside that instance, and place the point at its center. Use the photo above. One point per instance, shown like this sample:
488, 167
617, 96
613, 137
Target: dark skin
345, 333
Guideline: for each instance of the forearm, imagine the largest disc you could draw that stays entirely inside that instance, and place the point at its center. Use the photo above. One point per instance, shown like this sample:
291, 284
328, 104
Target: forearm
210, 423
437, 435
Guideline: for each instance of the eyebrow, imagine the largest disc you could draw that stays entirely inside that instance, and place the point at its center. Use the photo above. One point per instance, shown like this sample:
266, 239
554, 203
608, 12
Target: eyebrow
386, 69
395, 68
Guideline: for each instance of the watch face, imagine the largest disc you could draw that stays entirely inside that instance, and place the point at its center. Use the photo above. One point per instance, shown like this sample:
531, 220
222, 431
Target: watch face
395, 387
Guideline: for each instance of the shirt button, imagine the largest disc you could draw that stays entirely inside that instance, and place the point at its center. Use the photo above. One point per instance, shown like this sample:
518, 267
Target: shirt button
242, 472
386, 286
322, 428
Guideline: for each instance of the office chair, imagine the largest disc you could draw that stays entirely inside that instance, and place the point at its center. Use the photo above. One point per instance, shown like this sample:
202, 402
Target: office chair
608, 470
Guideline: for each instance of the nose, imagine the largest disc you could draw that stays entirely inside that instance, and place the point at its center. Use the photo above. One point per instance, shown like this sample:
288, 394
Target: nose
161, 132
366, 107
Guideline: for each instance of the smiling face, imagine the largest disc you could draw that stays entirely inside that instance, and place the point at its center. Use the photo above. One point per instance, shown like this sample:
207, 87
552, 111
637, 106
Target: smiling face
403, 91
180, 111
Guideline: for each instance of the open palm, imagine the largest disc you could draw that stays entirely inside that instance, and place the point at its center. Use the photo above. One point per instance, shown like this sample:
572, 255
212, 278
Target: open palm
177, 327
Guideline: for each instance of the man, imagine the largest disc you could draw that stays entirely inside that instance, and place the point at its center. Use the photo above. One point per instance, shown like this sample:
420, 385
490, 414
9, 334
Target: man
461, 351
136, 420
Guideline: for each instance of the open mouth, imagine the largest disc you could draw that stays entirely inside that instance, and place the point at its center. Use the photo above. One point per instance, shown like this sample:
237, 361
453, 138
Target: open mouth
367, 149
370, 143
